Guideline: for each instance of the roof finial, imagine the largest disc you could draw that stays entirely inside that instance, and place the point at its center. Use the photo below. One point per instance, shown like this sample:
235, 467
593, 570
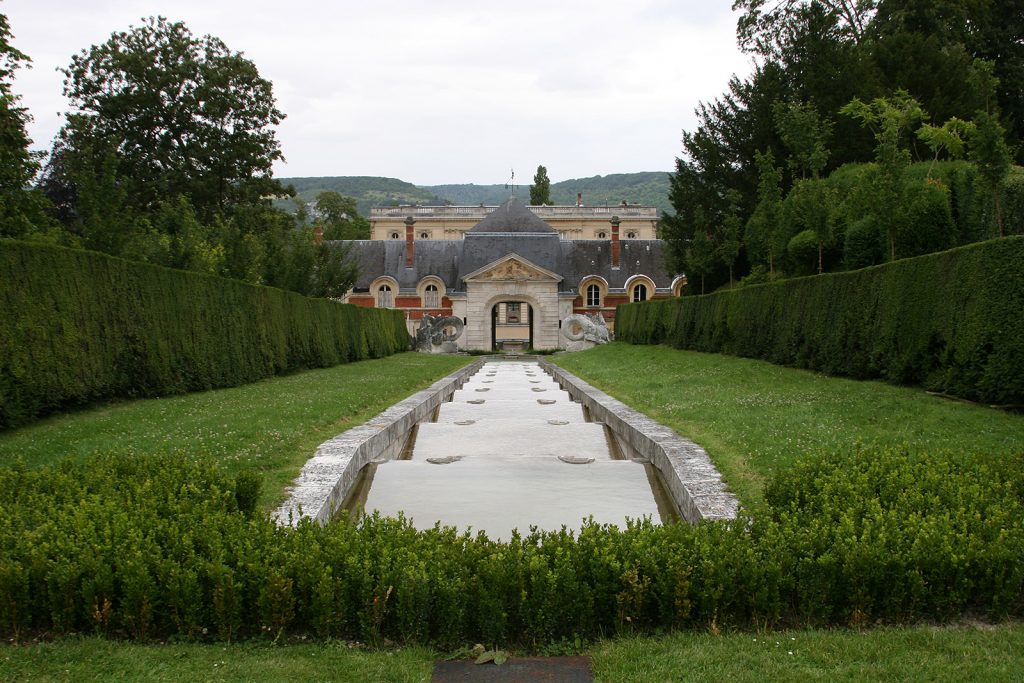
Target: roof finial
511, 183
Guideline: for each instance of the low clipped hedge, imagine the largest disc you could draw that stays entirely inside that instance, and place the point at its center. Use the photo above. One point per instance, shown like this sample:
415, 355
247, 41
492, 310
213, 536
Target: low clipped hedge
78, 326
950, 321
145, 547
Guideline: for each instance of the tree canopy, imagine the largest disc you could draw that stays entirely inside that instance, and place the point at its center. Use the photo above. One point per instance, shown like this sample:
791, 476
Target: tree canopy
916, 81
20, 209
180, 115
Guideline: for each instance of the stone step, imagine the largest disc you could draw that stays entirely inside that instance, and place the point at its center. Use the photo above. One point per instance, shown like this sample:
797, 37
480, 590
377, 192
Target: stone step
509, 438
512, 393
512, 409
499, 496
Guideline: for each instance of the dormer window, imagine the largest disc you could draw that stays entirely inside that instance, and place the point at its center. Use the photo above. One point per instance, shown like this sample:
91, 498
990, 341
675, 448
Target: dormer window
385, 299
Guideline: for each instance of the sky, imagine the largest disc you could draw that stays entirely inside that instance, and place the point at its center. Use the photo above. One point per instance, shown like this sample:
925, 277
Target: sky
435, 91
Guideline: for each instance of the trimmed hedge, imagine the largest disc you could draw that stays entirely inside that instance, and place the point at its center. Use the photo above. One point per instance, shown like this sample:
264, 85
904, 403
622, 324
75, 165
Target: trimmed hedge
952, 322
149, 547
78, 326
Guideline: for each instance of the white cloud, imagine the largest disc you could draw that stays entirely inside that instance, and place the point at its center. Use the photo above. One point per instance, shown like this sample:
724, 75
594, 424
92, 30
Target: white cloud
442, 91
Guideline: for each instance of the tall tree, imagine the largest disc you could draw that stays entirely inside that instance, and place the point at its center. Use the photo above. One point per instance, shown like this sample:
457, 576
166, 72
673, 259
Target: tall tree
805, 134
185, 116
891, 119
20, 208
990, 152
765, 27
341, 219
540, 191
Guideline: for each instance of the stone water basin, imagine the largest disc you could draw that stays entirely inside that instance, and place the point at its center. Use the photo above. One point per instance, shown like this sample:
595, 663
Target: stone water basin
512, 457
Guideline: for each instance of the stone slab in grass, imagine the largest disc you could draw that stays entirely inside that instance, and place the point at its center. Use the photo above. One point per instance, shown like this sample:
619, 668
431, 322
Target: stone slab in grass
516, 670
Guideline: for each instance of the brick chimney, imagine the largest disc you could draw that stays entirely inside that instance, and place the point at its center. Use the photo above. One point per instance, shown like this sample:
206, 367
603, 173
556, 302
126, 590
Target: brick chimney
579, 199
409, 222
615, 241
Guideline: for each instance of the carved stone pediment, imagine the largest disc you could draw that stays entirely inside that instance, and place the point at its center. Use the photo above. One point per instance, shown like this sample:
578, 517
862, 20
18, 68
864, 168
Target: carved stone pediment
512, 268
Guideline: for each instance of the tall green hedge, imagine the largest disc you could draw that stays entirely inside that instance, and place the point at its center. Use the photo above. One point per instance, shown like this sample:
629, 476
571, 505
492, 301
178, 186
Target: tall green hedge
951, 321
77, 326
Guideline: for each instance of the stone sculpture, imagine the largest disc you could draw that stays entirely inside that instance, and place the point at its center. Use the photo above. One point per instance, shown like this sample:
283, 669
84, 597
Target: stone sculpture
438, 334
584, 331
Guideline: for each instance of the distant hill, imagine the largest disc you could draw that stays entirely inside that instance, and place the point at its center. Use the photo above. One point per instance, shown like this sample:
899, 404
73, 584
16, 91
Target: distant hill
649, 188
366, 190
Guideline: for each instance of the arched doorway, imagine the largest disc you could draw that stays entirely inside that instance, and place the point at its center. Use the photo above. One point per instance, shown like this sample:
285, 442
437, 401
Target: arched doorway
511, 326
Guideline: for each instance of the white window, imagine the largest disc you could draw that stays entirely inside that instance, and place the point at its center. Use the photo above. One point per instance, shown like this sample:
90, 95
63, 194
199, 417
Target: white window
384, 298
512, 312
640, 293
431, 298
593, 295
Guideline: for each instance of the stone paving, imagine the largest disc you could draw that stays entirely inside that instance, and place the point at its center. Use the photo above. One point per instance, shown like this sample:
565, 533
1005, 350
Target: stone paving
510, 451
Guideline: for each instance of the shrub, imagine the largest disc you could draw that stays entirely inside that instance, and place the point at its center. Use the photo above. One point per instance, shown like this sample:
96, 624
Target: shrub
147, 547
948, 321
78, 326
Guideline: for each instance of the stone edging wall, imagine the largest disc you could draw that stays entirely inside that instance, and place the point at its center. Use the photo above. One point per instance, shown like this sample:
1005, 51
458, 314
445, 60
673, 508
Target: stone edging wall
692, 479
327, 477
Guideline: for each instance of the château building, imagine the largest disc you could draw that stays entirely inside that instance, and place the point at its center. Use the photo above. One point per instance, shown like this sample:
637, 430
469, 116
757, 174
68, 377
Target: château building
511, 273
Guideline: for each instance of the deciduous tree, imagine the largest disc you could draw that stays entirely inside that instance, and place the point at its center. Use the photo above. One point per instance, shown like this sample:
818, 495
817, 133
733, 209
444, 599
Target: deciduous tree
185, 116
20, 209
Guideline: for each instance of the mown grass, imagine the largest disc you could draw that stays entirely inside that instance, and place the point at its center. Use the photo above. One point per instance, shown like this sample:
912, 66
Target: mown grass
755, 418
271, 426
95, 659
924, 653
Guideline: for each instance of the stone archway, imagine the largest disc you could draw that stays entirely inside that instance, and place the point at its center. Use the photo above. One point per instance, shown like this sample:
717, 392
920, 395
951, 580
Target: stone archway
512, 326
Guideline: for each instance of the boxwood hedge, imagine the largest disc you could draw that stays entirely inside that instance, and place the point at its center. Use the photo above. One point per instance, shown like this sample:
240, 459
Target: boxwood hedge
147, 547
950, 321
78, 326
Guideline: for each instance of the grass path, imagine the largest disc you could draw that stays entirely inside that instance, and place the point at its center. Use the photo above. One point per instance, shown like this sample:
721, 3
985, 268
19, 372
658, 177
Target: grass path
754, 418
272, 426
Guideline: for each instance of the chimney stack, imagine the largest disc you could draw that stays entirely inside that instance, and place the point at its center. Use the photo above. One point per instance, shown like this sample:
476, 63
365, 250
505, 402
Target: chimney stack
409, 222
579, 199
318, 234
615, 241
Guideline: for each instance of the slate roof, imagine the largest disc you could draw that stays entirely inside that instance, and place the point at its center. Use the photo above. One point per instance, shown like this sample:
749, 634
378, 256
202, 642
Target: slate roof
387, 257
512, 217
482, 249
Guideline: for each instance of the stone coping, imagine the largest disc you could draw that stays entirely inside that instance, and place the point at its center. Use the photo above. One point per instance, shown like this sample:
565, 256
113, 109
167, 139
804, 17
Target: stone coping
327, 478
692, 479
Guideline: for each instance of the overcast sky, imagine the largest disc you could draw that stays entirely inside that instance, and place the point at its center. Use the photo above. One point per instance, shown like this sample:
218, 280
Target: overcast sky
438, 91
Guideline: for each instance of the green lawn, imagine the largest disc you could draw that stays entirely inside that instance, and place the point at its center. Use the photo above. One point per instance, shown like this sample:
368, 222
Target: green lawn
272, 426
754, 418
924, 653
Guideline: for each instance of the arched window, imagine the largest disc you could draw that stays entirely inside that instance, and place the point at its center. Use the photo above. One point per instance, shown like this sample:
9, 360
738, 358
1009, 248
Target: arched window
394, 235
384, 298
424, 235
431, 299
631, 235
640, 292
602, 235
593, 295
